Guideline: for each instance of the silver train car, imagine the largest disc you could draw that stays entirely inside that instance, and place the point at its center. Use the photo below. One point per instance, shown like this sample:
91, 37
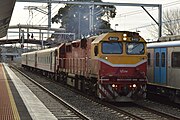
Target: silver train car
164, 69
44, 60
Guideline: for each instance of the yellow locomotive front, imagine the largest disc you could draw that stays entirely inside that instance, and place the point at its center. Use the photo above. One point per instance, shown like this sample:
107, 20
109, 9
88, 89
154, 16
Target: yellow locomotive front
120, 60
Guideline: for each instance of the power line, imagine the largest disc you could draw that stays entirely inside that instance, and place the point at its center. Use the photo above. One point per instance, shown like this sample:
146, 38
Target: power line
48, 13
140, 11
144, 26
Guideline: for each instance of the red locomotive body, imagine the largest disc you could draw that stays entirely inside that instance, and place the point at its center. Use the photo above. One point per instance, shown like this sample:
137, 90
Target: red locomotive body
111, 76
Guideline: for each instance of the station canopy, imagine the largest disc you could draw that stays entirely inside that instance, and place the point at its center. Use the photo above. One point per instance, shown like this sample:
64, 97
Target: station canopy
6, 9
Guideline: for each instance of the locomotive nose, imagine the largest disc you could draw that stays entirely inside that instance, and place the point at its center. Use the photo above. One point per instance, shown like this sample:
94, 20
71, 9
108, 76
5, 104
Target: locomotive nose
140, 73
124, 91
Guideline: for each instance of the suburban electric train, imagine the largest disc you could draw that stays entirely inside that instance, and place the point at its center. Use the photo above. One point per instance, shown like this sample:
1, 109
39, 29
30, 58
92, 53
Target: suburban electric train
164, 68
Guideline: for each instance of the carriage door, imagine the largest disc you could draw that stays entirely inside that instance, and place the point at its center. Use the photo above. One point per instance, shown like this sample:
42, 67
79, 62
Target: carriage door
160, 65
35, 60
26, 60
50, 60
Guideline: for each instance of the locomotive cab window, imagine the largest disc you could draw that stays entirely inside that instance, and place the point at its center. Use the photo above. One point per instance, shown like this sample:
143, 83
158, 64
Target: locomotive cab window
111, 48
134, 48
96, 50
175, 59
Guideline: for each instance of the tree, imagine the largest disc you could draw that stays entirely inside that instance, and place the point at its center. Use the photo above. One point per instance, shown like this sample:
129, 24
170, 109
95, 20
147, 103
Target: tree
171, 23
76, 18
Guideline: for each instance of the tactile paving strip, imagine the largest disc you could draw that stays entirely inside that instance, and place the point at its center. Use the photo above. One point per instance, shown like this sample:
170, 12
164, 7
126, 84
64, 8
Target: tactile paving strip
8, 110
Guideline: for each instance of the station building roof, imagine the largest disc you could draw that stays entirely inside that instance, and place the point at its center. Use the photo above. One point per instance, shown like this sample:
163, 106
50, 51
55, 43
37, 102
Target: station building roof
6, 9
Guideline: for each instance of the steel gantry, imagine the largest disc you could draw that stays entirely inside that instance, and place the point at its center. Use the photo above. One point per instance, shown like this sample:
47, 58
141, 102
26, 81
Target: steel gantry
49, 2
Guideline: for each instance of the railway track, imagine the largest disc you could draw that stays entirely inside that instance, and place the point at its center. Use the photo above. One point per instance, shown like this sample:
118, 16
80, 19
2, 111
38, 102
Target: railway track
169, 110
96, 109
69, 112
90, 108
146, 113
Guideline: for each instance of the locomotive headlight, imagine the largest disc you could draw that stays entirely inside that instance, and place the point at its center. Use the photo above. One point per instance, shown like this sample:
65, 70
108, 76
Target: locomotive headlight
134, 85
124, 37
113, 85
106, 58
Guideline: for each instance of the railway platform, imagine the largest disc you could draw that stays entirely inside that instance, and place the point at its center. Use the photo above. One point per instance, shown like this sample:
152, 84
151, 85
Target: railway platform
17, 102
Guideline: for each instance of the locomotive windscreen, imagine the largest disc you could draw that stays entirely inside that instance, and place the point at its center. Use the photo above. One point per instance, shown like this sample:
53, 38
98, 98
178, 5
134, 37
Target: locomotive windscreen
111, 47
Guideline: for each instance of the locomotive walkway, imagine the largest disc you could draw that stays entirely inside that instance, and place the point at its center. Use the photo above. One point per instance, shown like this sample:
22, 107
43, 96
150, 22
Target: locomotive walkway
17, 102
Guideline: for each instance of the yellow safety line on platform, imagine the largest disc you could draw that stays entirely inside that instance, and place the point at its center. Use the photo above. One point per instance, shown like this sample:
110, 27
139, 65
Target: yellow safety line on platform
13, 104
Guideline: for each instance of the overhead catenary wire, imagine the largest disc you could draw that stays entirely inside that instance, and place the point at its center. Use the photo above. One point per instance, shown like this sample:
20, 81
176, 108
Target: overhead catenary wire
140, 11
176, 20
44, 18
48, 13
125, 14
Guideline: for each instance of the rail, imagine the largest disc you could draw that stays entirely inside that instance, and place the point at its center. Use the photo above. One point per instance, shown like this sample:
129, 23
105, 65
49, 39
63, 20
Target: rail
71, 108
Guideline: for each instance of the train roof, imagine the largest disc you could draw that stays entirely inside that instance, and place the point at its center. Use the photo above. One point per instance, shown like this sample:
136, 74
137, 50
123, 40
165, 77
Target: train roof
39, 51
99, 38
163, 44
119, 34
28, 53
47, 50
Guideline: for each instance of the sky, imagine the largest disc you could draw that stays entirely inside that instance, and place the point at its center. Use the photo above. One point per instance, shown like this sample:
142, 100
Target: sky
127, 18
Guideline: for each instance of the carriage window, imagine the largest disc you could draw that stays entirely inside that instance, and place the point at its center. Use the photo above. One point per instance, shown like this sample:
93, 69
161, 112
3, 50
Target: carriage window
163, 59
134, 48
149, 58
111, 47
157, 59
175, 59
